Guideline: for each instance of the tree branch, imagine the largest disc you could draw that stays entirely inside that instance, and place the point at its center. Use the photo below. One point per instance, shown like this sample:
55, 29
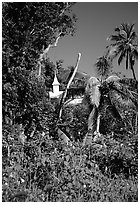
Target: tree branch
45, 51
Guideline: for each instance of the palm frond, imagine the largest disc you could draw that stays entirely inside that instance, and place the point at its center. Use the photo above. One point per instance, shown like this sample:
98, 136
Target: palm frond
113, 51
115, 38
121, 57
112, 78
120, 102
115, 113
122, 35
122, 43
125, 27
92, 89
125, 97
117, 29
130, 30
133, 36
103, 66
116, 50
134, 53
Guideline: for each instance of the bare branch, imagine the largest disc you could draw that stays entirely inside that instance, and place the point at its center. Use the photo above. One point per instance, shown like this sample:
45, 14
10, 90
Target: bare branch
68, 85
45, 51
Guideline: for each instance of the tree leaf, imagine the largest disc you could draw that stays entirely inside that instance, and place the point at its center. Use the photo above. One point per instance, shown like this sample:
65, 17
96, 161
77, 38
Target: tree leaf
92, 89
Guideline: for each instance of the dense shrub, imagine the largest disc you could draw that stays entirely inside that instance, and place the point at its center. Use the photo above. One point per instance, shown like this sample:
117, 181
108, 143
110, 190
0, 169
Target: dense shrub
116, 157
46, 170
76, 121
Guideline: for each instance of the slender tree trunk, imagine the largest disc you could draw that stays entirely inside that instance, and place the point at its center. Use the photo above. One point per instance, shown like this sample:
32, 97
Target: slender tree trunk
133, 72
92, 119
88, 139
98, 123
136, 124
68, 85
11, 117
61, 134
131, 62
127, 60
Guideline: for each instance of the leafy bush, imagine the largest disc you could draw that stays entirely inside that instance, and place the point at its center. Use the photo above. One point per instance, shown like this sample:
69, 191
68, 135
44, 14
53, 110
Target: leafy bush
116, 157
76, 121
44, 170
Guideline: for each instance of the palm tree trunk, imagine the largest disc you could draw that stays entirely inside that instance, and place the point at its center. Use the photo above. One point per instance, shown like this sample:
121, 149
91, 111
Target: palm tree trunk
88, 139
131, 62
92, 119
98, 123
127, 60
136, 124
133, 72
91, 126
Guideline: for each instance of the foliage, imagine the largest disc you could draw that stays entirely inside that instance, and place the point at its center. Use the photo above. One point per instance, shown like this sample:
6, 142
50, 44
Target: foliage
103, 67
28, 29
26, 86
124, 45
112, 101
37, 165
118, 154
109, 123
75, 121
45, 170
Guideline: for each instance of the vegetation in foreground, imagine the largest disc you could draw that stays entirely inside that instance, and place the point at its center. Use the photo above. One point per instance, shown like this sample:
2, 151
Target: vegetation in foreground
43, 169
37, 165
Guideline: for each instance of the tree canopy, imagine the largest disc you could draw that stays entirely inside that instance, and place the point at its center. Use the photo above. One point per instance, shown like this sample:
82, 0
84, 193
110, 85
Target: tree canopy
28, 29
124, 45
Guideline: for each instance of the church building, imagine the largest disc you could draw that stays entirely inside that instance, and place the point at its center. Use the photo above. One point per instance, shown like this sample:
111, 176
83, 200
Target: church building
55, 93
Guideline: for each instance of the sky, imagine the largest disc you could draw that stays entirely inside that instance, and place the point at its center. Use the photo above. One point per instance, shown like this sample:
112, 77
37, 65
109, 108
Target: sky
96, 21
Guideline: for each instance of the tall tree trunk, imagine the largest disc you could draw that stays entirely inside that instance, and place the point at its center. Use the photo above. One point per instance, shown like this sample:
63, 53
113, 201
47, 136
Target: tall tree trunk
61, 134
92, 119
127, 59
131, 62
92, 122
98, 123
133, 72
68, 85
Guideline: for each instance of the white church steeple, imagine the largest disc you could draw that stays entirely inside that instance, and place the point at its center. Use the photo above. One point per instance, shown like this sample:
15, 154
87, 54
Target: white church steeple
55, 84
55, 93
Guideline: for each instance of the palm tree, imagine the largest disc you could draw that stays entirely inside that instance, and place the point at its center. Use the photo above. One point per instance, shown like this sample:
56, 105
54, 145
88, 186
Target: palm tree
124, 45
103, 66
107, 93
